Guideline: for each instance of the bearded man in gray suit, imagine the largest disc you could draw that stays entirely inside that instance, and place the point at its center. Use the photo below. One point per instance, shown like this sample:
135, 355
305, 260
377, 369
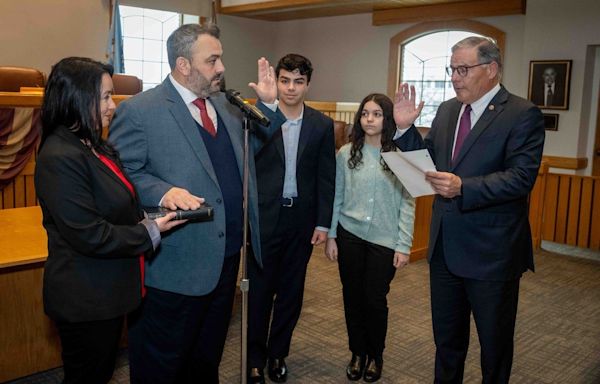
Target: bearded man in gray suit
181, 144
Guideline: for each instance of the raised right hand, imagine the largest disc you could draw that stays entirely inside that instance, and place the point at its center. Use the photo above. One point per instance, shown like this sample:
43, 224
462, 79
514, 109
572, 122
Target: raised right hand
180, 198
266, 88
405, 112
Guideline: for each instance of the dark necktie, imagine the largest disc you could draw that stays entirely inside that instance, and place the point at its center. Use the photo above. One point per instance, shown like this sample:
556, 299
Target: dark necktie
549, 95
464, 127
207, 123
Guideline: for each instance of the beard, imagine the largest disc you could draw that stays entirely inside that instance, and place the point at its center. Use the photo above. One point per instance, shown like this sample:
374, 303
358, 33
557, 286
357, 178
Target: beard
202, 86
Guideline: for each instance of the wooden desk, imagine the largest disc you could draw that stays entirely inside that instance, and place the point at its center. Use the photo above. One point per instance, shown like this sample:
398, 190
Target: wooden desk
29, 342
23, 240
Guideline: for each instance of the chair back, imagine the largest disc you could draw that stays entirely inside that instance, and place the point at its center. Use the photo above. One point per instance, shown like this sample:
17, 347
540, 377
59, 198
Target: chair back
13, 78
126, 84
341, 133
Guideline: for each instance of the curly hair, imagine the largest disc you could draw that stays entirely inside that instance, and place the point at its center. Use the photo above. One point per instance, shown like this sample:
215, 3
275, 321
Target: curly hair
357, 137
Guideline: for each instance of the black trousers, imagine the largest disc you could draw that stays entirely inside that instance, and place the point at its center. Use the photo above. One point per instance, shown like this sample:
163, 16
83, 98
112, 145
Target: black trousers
89, 350
276, 291
366, 271
180, 339
494, 308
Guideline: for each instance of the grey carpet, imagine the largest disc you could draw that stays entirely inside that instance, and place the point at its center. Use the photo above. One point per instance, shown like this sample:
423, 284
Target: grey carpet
557, 335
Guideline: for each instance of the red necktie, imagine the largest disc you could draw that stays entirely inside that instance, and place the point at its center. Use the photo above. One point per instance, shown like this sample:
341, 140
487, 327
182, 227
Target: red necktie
463, 131
207, 122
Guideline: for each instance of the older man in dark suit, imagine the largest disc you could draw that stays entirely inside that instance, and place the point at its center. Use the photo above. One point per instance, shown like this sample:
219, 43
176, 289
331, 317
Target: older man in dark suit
487, 146
182, 144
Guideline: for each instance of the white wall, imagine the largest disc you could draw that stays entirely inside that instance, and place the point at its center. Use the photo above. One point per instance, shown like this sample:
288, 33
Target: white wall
589, 109
559, 29
244, 42
350, 55
37, 34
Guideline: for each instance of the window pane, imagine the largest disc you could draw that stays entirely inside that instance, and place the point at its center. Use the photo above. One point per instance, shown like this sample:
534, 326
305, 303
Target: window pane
191, 19
134, 67
165, 70
153, 50
132, 26
152, 28
130, 11
424, 62
152, 72
145, 33
133, 48
169, 26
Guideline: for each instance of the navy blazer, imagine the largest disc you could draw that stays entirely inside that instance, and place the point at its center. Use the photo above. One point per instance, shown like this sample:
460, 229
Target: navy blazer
315, 171
94, 241
161, 147
485, 231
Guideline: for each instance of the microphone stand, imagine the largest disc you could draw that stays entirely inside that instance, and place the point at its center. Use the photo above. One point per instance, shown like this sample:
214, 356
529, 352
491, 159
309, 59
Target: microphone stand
244, 282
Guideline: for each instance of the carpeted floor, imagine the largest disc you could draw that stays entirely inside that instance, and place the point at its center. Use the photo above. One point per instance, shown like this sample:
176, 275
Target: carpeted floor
557, 334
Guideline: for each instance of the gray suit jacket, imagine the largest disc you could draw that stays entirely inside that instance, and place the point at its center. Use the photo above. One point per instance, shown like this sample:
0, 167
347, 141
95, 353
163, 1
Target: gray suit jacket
161, 147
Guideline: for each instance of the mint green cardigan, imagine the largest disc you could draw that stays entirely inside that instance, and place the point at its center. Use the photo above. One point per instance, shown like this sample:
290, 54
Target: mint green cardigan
371, 203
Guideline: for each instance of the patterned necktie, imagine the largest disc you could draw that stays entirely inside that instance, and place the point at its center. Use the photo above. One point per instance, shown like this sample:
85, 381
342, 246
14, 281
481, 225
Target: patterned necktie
207, 122
463, 131
549, 95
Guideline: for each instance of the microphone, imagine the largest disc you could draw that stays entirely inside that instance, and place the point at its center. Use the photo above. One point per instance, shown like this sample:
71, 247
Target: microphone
250, 110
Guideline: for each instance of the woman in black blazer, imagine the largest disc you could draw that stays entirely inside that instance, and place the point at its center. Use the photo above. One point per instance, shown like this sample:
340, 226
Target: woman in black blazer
96, 232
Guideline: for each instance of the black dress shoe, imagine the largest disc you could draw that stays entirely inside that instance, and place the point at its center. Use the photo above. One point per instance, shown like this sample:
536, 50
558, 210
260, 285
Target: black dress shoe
355, 368
277, 370
373, 369
256, 376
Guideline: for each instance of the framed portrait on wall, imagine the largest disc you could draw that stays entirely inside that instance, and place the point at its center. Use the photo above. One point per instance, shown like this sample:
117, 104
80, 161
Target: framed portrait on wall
551, 121
549, 82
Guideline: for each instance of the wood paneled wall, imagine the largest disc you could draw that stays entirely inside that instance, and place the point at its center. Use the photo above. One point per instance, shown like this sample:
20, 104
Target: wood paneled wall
21, 191
571, 210
29, 342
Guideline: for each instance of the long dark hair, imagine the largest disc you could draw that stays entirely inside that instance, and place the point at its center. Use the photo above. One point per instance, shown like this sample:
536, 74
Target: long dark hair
357, 137
72, 99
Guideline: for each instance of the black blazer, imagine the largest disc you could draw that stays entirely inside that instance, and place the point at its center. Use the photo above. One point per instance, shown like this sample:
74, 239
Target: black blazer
315, 171
411, 140
92, 271
485, 231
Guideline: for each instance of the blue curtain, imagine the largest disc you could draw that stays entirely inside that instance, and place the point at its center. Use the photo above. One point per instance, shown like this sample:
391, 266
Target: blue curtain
115, 40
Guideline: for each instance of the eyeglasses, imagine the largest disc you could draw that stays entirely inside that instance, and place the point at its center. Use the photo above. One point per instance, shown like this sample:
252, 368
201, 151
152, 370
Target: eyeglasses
462, 70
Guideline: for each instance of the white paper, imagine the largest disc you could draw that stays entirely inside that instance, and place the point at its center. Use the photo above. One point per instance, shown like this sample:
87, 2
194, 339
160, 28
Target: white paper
409, 168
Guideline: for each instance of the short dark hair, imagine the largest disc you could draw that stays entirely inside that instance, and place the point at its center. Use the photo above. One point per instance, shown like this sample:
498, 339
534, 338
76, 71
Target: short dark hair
292, 62
72, 99
179, 43
357, 136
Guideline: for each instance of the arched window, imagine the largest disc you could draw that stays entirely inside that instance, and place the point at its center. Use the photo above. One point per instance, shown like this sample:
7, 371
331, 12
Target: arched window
420, 54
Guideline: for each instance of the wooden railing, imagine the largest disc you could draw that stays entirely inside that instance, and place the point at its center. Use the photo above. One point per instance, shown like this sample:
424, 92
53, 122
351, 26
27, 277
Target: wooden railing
571, 210
562, 207
21, 191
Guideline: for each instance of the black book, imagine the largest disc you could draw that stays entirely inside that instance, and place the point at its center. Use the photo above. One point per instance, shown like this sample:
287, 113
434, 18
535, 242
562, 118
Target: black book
204, 213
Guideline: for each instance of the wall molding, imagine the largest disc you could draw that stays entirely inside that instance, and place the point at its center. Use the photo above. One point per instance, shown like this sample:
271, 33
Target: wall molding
448, 11
566, 162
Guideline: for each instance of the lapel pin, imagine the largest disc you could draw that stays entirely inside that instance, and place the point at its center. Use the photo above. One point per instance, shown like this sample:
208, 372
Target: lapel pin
491, 107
